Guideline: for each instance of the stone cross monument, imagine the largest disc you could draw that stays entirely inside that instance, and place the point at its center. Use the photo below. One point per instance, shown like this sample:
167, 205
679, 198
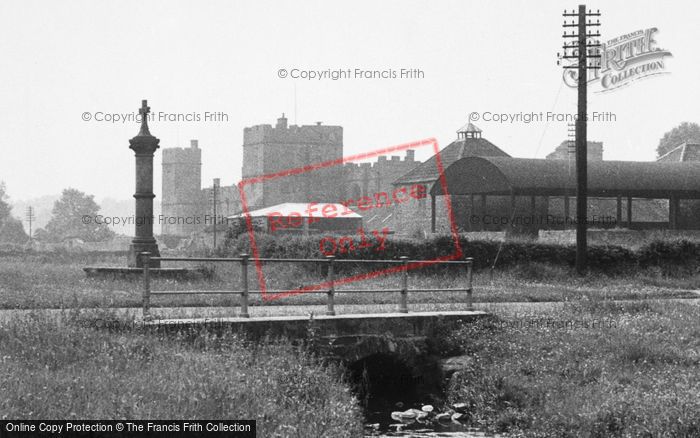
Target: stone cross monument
144, 146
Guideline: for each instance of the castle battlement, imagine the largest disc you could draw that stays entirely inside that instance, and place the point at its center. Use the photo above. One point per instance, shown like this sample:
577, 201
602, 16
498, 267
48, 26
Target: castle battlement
181, 188
282, 133
190, 155
383, 161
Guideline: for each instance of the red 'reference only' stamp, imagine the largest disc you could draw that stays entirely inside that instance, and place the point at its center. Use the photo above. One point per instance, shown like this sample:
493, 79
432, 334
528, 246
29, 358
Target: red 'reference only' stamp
351, 231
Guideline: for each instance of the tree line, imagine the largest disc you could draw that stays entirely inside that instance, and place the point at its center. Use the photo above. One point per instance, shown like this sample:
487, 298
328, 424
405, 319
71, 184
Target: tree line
72, 216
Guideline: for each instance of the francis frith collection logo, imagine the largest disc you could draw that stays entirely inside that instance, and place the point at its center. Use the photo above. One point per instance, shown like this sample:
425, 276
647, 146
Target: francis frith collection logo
625, 59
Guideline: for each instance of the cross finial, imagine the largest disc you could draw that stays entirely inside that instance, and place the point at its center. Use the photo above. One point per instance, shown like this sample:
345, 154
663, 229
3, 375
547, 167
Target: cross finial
144, 110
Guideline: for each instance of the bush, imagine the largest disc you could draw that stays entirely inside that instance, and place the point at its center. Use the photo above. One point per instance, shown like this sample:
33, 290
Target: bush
672, 256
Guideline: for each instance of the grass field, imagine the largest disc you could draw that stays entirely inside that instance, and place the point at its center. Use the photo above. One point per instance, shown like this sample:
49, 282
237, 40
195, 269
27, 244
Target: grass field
62, 369
43, 281
631, 372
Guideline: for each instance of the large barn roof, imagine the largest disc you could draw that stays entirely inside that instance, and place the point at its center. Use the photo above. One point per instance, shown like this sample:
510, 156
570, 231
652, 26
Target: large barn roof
312, 210
464, 147
524, 176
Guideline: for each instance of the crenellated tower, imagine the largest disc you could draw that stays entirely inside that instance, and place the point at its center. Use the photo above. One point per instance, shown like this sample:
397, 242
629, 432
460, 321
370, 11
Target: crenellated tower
182, 205
268, 150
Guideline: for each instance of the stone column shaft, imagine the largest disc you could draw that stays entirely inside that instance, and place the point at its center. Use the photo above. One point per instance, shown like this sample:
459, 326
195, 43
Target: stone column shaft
144, 146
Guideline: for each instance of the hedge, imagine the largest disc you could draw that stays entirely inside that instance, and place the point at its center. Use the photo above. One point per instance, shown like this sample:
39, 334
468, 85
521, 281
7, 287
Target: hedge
671, 255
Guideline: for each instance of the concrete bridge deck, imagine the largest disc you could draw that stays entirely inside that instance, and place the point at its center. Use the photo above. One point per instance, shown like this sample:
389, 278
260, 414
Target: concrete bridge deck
354, 317
348, 337
296, 326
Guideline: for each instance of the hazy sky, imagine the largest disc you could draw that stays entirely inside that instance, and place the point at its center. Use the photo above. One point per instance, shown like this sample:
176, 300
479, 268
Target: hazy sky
61, 59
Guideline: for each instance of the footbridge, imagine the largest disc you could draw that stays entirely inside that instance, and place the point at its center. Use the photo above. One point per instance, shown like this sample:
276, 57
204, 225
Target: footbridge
403, 338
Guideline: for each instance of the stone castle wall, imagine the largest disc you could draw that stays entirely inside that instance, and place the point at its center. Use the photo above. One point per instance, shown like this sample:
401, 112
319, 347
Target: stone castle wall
367, 179
186, 206
181, 189
268, 150
228, 200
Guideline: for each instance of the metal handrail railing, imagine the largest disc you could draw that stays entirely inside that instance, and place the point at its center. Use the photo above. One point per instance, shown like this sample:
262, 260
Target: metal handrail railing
331, 291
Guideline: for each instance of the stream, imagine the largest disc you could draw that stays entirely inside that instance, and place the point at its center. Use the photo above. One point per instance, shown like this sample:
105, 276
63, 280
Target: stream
381, 424
399, 403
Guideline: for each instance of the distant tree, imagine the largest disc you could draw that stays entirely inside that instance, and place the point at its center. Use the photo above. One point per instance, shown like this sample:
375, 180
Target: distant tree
74, 215
5, 208
685, 132
11, 229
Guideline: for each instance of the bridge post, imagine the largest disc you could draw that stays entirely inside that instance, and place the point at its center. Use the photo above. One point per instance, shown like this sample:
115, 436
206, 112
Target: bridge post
470, 265
146, 296
331, 286
403, 301
244, 286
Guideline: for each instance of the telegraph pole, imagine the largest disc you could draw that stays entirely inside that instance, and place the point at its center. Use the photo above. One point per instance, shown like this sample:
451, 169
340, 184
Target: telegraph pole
215, 189
30, 219
581, 50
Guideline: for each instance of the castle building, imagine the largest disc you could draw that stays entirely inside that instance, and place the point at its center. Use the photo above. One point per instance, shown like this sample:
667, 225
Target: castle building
270, 150
284, 151
181, 189
285, 159
186, 207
